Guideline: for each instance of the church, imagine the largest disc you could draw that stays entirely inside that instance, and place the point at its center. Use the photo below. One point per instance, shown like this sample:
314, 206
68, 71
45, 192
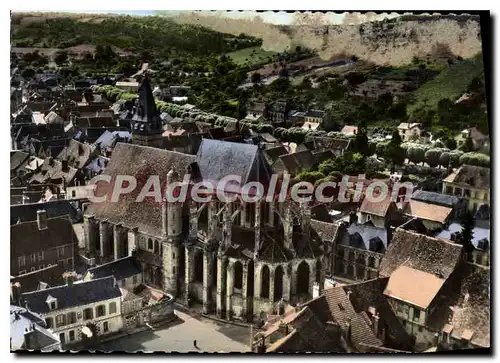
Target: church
238, 260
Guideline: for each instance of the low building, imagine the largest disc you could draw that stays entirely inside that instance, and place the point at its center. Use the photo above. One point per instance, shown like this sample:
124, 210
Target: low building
127, 272
470, 182
28, 331
380, 213
434, 217
349, 131
479, 140
37, 244
410, 131
315, 116
78, 309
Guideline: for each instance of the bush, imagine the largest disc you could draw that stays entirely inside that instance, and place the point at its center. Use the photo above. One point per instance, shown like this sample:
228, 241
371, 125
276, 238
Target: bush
475, 159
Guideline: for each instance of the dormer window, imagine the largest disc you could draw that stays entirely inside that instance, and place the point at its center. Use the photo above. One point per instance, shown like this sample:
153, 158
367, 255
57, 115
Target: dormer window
51, 302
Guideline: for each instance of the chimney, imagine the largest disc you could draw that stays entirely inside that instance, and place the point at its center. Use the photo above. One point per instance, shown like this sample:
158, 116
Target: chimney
349, 293
376, 318
69, 278
353, 218
15, 293
41, 219
283, 328
65, 165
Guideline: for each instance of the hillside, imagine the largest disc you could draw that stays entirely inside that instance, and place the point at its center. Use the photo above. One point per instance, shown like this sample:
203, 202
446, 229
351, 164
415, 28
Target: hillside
451, 83
158, 36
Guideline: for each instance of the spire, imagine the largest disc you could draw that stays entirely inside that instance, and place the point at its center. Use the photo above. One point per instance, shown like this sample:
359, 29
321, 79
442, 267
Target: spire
146, 118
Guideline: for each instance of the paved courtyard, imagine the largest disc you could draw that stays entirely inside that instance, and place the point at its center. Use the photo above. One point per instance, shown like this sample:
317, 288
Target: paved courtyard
178, 336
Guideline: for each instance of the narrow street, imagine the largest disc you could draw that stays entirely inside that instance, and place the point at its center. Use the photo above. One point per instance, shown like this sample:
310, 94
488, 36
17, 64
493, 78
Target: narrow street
211, 336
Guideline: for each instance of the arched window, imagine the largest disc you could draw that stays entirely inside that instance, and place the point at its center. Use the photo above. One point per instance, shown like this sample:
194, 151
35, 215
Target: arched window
238, 275
265, 277
318, 271
278, 283
303, 278
250, 278
100, 311
157, 247
150, 244
198, 266
371, 261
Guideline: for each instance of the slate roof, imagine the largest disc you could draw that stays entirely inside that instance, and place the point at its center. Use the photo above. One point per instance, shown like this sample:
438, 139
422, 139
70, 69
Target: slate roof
26, 238
420, 252
470, 175
22, 320
328, 143
141, 162
17, 158
299, 161
435, 198
56, 208
120, 269
81, 293
478, 234
50, 275
217, 159
76, 153
52, 171
275, 152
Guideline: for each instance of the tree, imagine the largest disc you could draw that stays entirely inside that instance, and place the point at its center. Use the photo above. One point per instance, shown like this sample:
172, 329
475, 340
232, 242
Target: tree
468, 145
432, 156
360, 143
61, 57
467, 233
256, 78
394, 152
444, 159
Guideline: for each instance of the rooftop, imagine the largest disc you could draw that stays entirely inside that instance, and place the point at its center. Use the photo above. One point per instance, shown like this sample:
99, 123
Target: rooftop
120, 269
470, 175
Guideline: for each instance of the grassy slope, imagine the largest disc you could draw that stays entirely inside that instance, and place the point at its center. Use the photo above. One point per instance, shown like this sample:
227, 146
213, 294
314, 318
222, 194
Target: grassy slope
259, 56
451, 83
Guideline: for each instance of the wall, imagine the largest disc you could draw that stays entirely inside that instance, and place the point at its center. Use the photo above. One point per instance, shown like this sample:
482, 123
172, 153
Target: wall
115, 322
50, 257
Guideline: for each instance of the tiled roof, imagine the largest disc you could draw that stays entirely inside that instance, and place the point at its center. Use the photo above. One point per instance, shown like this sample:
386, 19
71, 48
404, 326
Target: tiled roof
414, 286
76, 153
140, 162
349, 130
80, 293
328, 143
428, 212
26, 238
421, 252
56, 208
120, 269
472, 314
327, 231
299, 161
376, 208
470, 175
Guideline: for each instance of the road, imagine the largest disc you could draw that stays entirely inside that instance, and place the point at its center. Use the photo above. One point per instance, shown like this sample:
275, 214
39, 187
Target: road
211, 336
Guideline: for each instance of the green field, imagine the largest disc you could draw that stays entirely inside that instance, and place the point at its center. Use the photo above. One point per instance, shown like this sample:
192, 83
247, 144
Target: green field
451, 83
252, 56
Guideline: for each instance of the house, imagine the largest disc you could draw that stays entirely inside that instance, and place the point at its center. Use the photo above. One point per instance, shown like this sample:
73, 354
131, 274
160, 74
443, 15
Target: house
273, 154
78, 309
480, 241
308, 125
419, 268
53, 209
297, 118
348, 318
127, 272
349, 131
479, 140
295, 163
315, 116
434, 217
278, 112
28, 331
322, 143
37, 244
470, 182
380, 213
410, 131
459, 205
256, 110
49, 276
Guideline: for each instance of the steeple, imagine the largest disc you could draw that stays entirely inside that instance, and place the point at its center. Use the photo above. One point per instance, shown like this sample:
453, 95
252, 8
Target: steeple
147, 126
